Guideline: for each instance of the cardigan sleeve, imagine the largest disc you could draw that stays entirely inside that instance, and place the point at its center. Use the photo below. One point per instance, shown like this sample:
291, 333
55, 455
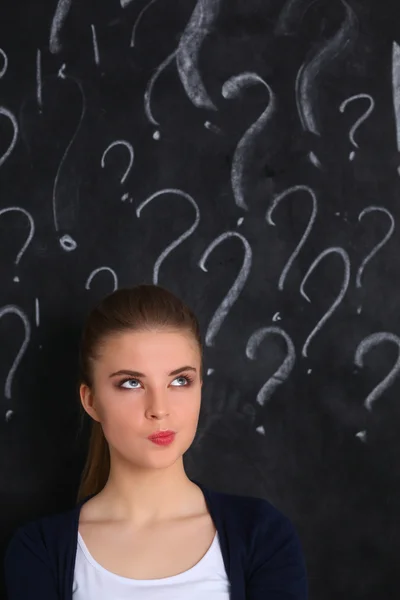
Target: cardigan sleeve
278, 565
28, 573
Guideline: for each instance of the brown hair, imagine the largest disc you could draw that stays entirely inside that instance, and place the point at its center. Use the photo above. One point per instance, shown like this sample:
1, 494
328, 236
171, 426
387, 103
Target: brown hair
141, 307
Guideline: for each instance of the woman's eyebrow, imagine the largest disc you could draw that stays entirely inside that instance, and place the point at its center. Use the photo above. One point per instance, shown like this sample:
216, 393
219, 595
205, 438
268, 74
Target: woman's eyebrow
139, 374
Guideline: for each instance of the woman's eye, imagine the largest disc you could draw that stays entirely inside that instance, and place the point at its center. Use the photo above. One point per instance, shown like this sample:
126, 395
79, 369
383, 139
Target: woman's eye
128, 384
182, 381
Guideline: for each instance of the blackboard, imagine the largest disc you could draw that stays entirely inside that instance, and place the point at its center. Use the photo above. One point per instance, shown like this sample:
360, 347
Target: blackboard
245, 155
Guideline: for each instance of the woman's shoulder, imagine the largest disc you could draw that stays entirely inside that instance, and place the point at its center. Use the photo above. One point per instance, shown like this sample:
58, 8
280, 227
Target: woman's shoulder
270, 537
252, 515
256, 520
40, 534
249, 508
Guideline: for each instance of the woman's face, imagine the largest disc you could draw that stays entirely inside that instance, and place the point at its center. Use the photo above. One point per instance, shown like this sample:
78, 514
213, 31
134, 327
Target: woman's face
144, 381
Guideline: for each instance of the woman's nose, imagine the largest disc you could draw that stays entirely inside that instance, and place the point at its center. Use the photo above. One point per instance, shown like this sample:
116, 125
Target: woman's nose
157, 405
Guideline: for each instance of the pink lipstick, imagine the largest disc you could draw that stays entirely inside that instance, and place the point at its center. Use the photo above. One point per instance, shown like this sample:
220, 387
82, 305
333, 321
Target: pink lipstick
162, 438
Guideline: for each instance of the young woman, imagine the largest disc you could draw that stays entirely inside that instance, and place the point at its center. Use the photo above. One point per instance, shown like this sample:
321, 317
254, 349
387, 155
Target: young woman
141, 528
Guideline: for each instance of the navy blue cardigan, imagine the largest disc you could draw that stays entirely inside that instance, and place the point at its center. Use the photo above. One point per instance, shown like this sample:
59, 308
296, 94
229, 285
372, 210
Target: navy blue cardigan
261, 552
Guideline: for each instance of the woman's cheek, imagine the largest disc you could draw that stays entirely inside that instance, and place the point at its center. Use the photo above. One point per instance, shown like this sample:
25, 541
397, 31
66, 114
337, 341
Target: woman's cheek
119, 413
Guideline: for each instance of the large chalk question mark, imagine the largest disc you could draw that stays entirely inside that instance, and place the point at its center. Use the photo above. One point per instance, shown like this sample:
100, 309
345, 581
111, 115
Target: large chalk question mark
275, 202
235, 290
67, 243
182, 237
378, 246
30, 234
129, 147
99, 270
359, 121
346, 278
231, 89
370, 342
282, 373
6, 310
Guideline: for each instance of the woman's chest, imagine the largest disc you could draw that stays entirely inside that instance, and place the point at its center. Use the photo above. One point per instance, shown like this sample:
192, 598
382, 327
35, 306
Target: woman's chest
150, 553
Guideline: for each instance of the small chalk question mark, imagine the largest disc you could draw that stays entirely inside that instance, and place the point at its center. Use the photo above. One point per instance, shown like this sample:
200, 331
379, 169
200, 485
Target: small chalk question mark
359, 121
345, 284
131, 153
30, 234
313, 216
364, 347
6, 310
282, 373
182, 237
234, 292
378, 246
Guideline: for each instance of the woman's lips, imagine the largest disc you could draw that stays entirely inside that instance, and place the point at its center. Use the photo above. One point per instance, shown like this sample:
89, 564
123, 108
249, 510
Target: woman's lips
162, 438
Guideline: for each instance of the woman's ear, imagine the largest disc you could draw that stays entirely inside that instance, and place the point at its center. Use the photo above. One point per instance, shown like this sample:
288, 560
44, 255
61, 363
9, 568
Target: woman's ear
88, 401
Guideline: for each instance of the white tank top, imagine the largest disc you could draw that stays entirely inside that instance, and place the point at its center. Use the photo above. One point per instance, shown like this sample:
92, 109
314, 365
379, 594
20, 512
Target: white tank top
206, 579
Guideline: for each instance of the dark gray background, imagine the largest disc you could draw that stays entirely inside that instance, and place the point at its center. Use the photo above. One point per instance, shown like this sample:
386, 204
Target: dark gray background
317, 448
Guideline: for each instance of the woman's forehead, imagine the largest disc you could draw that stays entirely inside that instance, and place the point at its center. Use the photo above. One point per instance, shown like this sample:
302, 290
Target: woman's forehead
146, 343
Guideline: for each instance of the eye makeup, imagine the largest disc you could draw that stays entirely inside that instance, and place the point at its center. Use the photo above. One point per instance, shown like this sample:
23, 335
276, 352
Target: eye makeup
120, 384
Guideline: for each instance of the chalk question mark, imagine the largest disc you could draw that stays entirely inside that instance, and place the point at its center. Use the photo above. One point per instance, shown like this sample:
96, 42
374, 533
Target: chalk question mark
232, 88
359, 121
6, 310
30, 234
99, 270
235, 290
378, 246
345, 284
364, 347
131, 153
282, 373
182, 237
67, 243
313, 216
